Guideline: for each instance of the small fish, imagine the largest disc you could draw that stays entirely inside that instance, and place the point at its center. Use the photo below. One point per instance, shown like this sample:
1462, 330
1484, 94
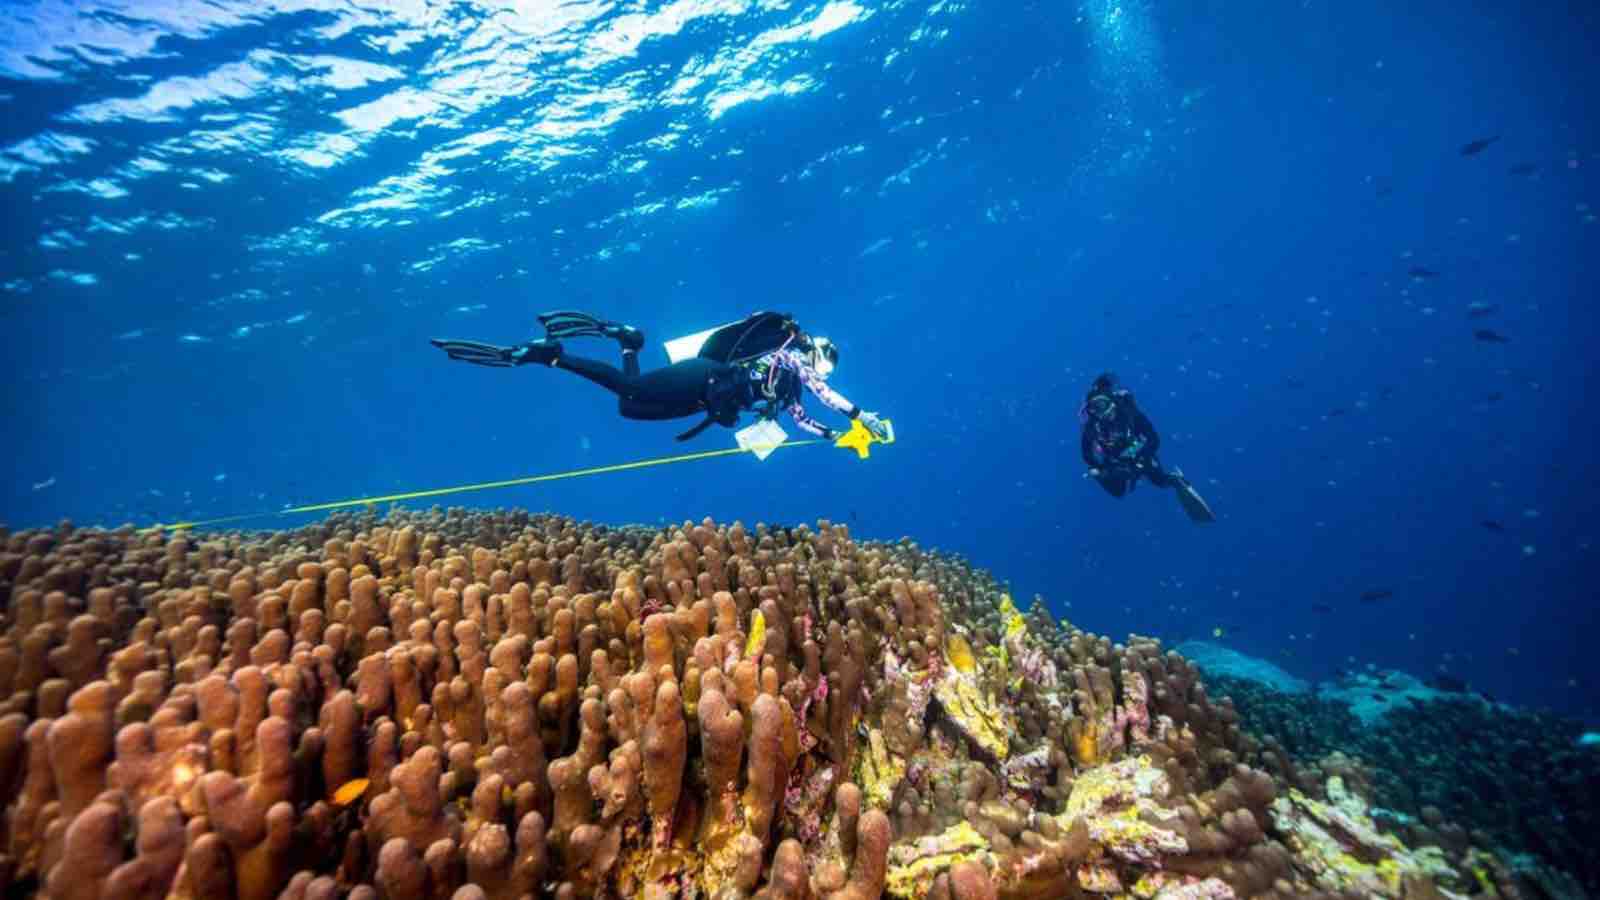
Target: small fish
1589, 739
1216, 632
41, 485
349, 792
1375, 596
1473, 148
1491, 337
1335, 413
959, 654
1494, 397
1493, 526
1481, 310
1526, 168
1420, 273
1321, 608
758, 635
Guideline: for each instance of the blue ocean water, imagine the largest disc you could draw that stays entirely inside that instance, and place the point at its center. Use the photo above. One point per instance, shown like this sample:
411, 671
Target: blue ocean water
231, 228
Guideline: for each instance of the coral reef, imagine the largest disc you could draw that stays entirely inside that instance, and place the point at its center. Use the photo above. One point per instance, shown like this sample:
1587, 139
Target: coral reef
498, 705
1442, 769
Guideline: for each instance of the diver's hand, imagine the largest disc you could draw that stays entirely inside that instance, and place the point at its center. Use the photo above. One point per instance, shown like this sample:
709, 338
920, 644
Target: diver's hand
1093, 473
874, 424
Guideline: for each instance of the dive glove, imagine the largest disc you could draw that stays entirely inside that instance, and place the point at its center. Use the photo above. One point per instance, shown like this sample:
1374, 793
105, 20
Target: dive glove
878, 427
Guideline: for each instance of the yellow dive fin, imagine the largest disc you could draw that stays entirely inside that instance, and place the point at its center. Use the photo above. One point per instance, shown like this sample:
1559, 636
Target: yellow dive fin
859, 439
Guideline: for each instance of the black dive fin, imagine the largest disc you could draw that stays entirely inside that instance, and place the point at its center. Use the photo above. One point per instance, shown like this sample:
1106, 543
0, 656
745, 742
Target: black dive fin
1194, 504
565, 323
476, 353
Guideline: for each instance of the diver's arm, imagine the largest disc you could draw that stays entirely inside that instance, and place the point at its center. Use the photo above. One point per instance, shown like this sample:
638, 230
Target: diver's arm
797, 411
818, 386
1086, 446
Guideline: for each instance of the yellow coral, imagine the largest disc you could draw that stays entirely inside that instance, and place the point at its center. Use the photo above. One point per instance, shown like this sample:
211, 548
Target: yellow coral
915, 864
1015, 624
1114, 802
879, 771
1325, 834
641, 866
979, 717
1099, 879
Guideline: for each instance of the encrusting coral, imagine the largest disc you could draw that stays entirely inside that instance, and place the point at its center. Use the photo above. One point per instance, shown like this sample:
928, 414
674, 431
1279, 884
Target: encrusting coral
497, 705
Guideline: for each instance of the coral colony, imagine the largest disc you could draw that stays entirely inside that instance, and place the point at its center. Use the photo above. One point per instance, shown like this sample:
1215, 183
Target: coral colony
473, 705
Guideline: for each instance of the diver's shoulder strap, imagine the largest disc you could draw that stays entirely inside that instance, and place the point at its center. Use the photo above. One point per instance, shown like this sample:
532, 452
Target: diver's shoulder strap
694, 432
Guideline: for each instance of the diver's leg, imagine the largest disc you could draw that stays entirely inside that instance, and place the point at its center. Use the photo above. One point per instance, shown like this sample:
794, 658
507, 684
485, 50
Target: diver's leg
607, 376
1115, 483
1159, 476
671, 392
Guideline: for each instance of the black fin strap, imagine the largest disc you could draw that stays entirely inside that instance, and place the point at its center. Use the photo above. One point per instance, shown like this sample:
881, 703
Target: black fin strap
694, 432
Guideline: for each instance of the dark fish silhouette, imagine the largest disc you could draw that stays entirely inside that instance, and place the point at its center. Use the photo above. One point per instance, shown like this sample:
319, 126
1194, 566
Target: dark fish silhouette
1375, 596
1448, 683
1335, 413
1523, 169
1419, 273
1491, 337
1472, 148
1321, 608
1493, 526
1495, 397
1478, 309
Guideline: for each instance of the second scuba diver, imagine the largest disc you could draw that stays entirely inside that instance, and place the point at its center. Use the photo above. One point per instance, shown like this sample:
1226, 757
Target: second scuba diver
1119, 446
763, 363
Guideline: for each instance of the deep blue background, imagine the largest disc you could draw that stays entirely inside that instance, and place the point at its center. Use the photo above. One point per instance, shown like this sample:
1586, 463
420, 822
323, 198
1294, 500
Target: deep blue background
1221, 202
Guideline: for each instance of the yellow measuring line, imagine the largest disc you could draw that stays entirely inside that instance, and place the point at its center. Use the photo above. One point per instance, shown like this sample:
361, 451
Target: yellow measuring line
486, 485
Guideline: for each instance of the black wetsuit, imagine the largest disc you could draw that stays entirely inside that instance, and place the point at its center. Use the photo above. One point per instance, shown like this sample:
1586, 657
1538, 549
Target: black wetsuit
773, 382
1124, 448
681, 389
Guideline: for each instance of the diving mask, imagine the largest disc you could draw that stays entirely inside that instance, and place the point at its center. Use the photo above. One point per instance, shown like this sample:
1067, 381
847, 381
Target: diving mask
824, 356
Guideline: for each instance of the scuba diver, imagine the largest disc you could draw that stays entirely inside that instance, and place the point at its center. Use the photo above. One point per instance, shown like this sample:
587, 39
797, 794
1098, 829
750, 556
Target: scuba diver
763, 363
1119, 446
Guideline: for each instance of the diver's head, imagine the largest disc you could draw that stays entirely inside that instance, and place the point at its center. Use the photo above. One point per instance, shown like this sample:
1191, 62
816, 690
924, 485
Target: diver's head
1104, 383
824, 356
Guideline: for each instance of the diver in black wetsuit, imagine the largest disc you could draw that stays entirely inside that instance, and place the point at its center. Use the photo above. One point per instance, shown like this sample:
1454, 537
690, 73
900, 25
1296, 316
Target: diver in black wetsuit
1119, 446
762, 363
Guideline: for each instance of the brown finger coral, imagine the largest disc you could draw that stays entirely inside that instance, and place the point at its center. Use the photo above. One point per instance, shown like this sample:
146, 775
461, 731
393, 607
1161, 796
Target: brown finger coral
499, 706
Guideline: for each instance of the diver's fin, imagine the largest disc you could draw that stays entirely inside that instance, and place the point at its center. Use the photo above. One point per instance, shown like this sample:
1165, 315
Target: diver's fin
567, 323
476, 353
1192, 502
571, 323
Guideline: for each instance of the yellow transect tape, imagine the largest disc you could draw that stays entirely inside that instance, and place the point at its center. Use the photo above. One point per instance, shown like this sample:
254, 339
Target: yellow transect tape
849, 441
